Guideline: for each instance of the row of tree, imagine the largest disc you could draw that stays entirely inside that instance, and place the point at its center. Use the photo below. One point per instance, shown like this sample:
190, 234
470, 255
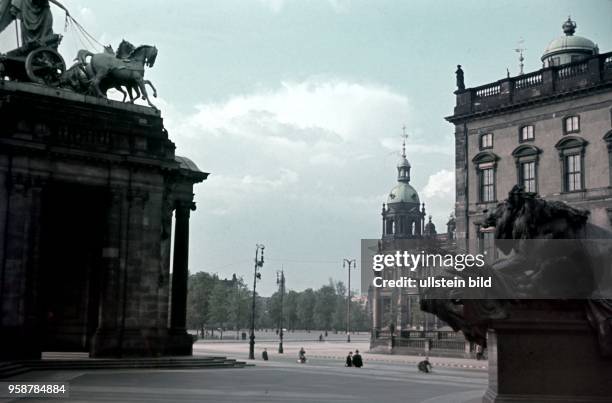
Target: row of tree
214, 303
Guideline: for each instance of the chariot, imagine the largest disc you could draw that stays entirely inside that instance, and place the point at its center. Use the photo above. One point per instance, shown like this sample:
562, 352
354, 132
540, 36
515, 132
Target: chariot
36, 62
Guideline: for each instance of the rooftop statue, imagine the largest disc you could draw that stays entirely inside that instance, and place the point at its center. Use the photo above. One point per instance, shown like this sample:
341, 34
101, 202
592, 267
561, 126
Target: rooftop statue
551, 253
127, 71
80, 77
35, 16
460, 79
38, 61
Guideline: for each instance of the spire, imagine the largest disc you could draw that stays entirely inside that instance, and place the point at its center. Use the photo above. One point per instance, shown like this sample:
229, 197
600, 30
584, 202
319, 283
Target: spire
405, 136
403, 168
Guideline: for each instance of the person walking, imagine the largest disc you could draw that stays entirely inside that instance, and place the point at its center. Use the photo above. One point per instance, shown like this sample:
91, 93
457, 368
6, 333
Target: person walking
349, 359
357, 361
264, 354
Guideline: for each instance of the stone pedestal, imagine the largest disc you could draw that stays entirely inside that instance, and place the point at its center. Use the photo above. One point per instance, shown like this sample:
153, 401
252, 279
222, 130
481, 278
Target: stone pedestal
547, 352
179, 343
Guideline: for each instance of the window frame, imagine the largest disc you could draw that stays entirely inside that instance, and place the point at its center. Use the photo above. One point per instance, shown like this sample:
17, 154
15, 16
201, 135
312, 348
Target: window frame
523, 154
483, 161
521, 138
569, 177
572, 130
481, 146
572, 146
487, 188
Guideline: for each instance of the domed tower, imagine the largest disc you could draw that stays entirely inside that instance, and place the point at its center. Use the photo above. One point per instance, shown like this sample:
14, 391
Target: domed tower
403, 215
568, 48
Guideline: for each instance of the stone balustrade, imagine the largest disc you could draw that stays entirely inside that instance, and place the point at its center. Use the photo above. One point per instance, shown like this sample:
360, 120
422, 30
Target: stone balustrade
533, 87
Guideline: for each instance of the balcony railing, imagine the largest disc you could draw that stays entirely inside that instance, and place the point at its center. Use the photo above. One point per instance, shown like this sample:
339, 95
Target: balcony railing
528, 80
488, 90
572, 70
591, 72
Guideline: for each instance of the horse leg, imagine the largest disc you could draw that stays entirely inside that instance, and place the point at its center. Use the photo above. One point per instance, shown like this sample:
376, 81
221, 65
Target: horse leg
95, 83
152, 87
128, 87
143, 91
136, 92
118, 88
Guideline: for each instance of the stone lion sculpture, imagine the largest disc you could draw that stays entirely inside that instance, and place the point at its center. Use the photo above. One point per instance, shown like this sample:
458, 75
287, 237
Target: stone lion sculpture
550, 252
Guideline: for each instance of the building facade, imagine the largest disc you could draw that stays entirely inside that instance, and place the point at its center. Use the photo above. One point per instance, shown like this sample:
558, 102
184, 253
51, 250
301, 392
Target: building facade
89, 192
549, 131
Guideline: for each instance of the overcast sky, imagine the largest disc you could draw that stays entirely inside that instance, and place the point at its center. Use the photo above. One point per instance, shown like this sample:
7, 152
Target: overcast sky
296, 107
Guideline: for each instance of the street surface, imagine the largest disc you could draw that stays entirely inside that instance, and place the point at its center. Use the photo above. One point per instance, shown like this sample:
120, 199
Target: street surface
322, 379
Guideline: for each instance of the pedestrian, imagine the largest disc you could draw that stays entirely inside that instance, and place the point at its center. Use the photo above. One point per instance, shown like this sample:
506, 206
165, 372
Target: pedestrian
357, 361
264, 354
425, 365
349, 359
321, 337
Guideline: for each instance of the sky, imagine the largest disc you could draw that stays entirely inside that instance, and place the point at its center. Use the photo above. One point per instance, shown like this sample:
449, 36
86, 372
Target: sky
296, 109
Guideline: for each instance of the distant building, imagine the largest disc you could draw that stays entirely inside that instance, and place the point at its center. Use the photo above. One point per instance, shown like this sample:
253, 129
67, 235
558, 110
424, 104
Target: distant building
549, 131
403, 226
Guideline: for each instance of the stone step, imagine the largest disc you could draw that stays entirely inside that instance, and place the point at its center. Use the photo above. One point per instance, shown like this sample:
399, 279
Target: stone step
8, 369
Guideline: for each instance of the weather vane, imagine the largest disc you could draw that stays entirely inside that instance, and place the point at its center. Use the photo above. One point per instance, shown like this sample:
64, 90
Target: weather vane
520, 51
405, 137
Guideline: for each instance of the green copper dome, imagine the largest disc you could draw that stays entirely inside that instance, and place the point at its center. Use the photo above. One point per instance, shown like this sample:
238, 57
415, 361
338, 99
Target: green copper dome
403, 193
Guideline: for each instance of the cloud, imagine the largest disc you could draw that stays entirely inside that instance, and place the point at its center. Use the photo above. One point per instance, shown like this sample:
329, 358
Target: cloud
280, 143
440, 185
330, 109
274, 5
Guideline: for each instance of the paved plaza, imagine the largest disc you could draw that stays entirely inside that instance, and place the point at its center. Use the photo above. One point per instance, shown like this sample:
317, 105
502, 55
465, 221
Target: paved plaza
322, 379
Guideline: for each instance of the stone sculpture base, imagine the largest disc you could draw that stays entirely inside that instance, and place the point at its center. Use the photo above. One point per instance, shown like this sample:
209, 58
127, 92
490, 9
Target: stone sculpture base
546, 351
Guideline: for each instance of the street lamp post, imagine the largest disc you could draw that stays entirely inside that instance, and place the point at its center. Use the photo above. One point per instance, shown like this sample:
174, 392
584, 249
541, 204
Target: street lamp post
280, 280
348, 262
259, 261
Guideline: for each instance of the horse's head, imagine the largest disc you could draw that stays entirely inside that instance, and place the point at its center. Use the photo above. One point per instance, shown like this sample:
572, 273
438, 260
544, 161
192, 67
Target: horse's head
150, 56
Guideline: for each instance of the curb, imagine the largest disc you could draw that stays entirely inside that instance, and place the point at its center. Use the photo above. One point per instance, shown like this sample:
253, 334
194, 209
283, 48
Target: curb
441, 364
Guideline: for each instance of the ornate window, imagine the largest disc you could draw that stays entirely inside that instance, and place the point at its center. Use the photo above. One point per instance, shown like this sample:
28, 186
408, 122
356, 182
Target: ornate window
487, 185
526, 158
528, 176
573, 172
526, 133
486, 141
571, 154
571, 124
486, 165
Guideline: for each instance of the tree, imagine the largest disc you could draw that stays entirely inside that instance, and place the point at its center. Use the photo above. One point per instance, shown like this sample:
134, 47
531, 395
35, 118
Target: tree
325, 306
198, 292
291, 309
275, 309
218, 305
239, 308
305, 311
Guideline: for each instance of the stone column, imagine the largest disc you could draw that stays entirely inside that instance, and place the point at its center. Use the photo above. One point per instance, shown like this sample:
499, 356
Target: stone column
180, 342
180, 268
17, 334
105, 339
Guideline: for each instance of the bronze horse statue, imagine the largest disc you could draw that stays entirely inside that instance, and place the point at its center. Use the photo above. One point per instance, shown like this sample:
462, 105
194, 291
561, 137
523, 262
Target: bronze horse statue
108, 71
